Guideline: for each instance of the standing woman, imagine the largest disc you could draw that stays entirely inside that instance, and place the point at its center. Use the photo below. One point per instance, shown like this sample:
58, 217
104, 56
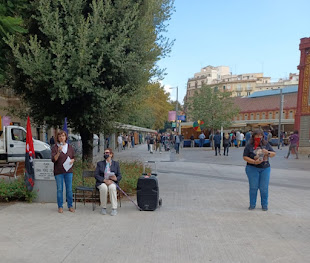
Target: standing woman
107, 175
63, 169
256, 154
226, 143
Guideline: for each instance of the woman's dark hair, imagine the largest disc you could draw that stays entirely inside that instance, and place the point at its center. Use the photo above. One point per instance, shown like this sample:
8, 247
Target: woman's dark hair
111, 151
262, 142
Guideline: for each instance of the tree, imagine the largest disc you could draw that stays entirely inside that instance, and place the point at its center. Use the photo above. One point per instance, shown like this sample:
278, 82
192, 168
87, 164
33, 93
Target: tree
214, 107
11, 22
90, 57
150, 109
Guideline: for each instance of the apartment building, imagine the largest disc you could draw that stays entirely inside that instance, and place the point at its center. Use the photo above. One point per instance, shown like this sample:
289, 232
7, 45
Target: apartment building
221, 78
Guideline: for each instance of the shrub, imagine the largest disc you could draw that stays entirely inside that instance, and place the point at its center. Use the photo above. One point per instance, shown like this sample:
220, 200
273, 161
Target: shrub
15, 190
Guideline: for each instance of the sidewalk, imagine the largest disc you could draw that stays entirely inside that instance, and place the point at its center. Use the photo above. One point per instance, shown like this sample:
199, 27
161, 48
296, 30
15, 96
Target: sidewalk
204, 218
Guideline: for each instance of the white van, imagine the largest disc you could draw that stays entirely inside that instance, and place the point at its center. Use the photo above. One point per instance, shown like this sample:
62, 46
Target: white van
13, 145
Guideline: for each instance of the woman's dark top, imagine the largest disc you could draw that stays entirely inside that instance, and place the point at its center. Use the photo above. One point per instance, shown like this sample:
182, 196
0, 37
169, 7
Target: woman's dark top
250, 152
226, 141
58, 165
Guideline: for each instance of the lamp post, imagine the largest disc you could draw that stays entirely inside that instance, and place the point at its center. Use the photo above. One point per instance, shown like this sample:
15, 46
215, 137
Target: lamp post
176, 107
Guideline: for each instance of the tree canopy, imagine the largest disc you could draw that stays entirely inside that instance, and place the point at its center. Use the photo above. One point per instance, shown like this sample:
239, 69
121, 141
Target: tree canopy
149, 109
88, 58
215, 108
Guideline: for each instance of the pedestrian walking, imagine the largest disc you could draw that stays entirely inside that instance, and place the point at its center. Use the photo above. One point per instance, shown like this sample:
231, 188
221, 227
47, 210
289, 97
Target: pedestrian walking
120, 142
147, 139
211, 136
217, 143
177, 141
256, 153
52, 141
152, 141
248, 137
192, 138
238, 138
294, 139
226, 143
201, 139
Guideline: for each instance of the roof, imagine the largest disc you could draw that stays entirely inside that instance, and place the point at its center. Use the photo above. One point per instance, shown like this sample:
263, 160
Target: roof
266, 103
288, 89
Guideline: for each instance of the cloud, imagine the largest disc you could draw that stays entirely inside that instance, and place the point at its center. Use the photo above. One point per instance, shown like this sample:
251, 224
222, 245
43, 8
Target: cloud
167, 88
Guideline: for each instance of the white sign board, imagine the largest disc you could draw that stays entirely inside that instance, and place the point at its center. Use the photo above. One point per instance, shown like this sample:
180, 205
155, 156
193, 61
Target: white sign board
43, 170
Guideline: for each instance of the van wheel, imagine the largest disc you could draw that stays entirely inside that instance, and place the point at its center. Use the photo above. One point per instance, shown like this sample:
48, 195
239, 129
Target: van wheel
38, 156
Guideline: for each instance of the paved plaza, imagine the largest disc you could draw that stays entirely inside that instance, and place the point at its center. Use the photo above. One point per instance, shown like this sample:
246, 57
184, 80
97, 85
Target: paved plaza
204, 217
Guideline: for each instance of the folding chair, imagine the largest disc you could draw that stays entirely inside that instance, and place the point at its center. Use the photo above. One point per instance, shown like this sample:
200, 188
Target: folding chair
86, 174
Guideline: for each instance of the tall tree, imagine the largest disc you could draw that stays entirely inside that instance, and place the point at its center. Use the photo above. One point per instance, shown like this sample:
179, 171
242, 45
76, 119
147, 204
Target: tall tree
89, 57
215, 108
11, 22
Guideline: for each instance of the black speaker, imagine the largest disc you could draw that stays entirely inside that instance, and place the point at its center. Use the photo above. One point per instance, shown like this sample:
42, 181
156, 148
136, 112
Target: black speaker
147, 192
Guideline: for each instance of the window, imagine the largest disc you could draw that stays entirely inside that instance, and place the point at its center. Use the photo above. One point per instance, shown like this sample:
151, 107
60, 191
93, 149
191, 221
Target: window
239, 94
270, 115
229, 87
291, 114
196, 84
257, 116
263, 116
252, 116
277, 115
18, 135
245, 116
248, 93
224, 87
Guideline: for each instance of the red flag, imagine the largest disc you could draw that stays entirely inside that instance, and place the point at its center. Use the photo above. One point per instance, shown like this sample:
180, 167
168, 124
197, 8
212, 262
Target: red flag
30, 154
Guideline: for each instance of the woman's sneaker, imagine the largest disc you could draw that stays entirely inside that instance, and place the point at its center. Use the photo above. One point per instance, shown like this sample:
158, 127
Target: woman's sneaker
251, 207
265, 208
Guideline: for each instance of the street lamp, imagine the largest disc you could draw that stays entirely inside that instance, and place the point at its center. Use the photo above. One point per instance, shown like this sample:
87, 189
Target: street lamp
176, 106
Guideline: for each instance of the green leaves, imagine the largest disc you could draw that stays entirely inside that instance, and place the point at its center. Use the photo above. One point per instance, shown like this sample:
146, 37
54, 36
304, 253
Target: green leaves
215, 108
88, 58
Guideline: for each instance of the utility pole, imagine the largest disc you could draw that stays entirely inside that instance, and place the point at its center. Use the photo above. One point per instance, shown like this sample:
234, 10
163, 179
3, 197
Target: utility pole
280, 116
176, 107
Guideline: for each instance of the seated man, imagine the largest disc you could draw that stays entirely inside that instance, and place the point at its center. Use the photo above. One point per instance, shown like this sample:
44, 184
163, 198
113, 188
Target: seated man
107, 175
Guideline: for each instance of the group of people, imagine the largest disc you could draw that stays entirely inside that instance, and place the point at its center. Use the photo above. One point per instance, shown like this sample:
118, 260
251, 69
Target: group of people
126, 141
155, 142
107, 174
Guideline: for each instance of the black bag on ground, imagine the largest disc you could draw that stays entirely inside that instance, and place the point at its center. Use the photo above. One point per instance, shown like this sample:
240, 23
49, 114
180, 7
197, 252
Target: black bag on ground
148, 192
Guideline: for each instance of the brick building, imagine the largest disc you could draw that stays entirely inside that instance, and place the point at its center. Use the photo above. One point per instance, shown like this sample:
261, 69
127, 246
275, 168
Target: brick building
261, 110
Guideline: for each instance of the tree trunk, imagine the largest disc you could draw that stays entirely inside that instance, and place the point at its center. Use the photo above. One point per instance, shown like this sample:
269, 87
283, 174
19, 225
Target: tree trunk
87, 145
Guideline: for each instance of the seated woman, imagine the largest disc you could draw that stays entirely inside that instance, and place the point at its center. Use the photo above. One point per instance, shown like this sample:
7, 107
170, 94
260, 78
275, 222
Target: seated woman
107, 175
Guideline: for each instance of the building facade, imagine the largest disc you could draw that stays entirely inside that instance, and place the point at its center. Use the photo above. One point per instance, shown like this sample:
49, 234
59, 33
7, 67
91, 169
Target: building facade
221, 78
302, 123
262, 110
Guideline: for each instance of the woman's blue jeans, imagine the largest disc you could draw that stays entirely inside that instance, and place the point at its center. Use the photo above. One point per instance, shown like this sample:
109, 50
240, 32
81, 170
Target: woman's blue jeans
258, 179
60, 178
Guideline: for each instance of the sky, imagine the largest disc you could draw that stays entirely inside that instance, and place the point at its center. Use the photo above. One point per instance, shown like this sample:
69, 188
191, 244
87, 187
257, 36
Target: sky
246, 35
